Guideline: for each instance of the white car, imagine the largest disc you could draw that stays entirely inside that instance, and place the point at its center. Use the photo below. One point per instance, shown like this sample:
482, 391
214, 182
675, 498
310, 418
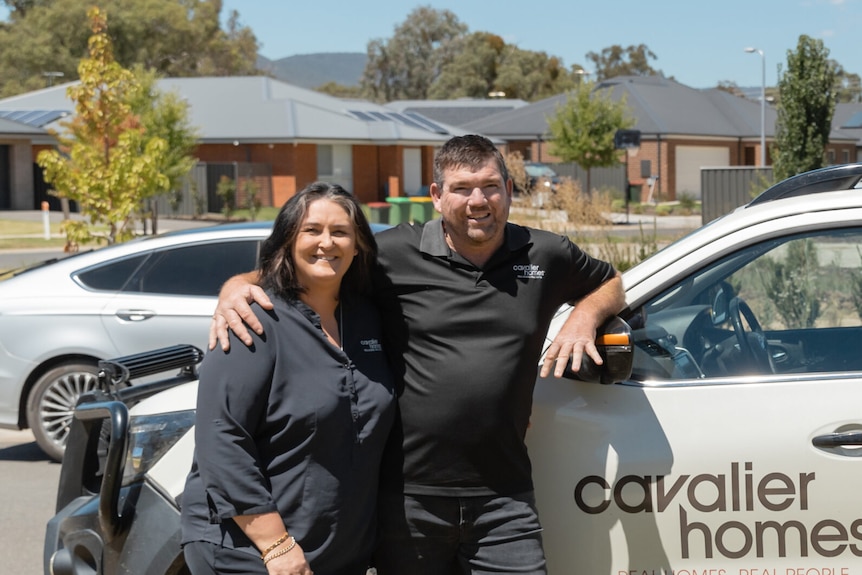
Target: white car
733, 447
59, 318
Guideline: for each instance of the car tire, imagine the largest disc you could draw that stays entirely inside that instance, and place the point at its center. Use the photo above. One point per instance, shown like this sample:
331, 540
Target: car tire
51, 404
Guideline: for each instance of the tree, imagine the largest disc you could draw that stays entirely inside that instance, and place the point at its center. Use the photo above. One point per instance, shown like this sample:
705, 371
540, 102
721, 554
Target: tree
805, 108
111, 158
165, 116
432, 56
618, 61
486, 64
533, 76
339, 91
583, 129
848, 86
729, 87
180, 38
405, 66
473, 72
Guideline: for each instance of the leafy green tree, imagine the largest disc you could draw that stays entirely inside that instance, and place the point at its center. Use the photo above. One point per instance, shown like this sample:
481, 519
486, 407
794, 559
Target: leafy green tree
486, 64
583, 128
472, 73
805, 108
618, 61
44, 40
405, 66
109, 159
533, 76
166, 115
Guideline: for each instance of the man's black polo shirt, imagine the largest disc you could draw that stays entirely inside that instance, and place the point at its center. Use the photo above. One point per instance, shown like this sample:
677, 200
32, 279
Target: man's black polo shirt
466, 342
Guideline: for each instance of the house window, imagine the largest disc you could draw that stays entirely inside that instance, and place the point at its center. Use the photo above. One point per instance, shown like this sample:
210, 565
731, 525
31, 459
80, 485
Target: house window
830, 157
324, 160
335, 164
845, 156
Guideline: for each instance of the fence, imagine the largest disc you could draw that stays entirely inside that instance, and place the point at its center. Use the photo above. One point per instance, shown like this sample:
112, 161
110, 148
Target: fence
723, 189
613, 178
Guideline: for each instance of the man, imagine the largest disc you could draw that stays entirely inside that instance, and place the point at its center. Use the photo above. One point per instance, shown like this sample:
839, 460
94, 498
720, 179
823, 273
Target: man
466, 301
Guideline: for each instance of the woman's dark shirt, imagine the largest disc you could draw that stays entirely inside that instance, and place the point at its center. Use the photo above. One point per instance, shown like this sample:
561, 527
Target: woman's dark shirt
296, 425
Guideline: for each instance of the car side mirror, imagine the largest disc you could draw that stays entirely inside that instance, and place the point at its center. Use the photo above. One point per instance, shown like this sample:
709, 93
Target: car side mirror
614, 342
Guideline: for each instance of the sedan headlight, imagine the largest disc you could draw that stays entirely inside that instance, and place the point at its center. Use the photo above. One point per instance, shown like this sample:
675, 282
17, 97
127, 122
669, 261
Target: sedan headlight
150, 437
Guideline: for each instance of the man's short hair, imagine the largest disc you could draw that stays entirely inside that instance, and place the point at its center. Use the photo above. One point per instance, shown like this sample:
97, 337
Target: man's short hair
470, 151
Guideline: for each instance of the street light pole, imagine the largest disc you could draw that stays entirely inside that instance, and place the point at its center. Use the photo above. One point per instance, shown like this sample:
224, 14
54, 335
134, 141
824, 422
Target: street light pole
762, 104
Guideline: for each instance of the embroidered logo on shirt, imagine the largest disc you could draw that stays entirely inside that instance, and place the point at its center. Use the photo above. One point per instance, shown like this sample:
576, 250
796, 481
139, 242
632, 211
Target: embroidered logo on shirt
529, 272
371, 345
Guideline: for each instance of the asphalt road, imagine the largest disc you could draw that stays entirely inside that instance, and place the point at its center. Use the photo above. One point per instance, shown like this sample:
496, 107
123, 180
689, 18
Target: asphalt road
28, 490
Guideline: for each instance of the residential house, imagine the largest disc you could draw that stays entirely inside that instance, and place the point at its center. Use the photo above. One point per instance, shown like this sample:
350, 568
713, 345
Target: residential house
682, 129
848, 120
298, 135
286, 136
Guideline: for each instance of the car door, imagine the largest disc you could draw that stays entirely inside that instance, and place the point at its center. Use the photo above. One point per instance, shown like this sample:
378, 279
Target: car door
727, 452
170, 299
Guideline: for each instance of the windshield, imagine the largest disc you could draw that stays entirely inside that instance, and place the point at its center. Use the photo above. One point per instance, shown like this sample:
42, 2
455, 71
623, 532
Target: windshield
539, 170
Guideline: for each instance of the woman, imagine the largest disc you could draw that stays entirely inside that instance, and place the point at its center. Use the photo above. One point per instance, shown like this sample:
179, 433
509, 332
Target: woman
289, 431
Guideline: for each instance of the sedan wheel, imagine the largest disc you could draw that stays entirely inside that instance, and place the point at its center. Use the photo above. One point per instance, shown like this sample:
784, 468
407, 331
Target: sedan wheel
52, 401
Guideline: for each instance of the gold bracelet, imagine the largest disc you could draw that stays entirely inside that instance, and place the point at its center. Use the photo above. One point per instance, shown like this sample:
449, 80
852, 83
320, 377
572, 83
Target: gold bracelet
281, 540
284, 551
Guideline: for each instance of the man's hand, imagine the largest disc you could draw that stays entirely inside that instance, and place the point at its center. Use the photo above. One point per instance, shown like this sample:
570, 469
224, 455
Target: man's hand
233, 310
574, 339
578, 334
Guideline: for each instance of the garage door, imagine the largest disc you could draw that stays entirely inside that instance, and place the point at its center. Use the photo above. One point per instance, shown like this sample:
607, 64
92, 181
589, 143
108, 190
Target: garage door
689, 161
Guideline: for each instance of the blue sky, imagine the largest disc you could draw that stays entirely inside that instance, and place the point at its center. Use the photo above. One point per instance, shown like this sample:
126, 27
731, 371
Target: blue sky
699, 43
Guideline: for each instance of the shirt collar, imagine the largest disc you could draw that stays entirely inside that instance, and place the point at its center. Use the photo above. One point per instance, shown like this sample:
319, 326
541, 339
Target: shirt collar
433, 240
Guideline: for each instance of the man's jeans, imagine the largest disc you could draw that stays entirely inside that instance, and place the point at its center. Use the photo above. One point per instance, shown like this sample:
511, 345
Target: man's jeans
431, 535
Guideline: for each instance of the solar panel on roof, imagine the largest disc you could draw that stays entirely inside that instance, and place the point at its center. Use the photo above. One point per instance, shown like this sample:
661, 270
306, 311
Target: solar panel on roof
35, 118
361, 115
405, 120
426, 122
855, 121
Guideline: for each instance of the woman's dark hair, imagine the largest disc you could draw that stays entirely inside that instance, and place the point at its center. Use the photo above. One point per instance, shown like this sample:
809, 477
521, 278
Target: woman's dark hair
277, 268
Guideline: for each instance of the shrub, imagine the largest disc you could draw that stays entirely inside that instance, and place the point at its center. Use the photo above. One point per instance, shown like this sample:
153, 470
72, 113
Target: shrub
226, 190
687, 202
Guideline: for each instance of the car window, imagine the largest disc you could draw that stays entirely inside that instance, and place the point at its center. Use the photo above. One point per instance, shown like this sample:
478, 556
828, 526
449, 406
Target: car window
790, 305
539, 170
111, 276
197, 270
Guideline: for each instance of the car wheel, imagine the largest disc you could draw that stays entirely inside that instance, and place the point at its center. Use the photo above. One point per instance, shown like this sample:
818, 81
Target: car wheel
52, 401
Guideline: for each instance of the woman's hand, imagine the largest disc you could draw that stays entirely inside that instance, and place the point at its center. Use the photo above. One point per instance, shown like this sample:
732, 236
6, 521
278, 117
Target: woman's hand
291, 563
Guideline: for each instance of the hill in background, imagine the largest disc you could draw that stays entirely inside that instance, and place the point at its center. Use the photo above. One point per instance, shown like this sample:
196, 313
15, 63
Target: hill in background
313, 70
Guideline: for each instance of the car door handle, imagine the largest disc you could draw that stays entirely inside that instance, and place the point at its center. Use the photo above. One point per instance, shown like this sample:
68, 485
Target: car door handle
135, 314
838, 439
